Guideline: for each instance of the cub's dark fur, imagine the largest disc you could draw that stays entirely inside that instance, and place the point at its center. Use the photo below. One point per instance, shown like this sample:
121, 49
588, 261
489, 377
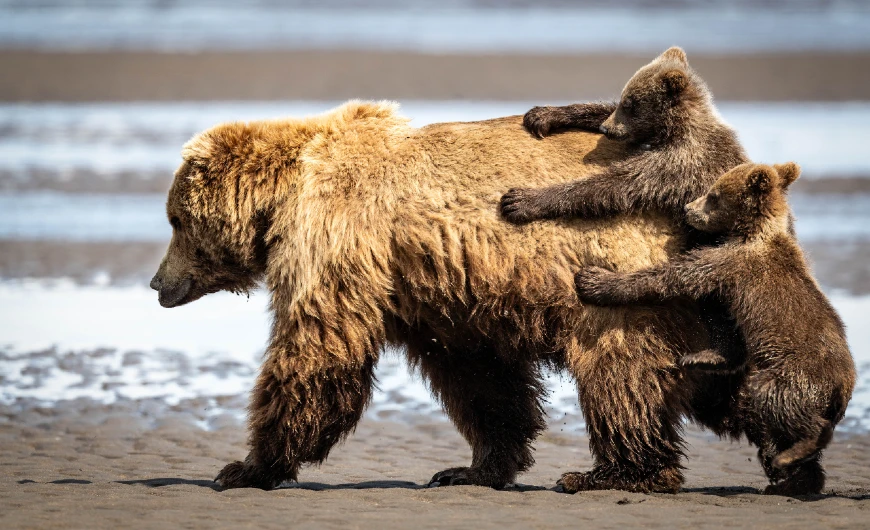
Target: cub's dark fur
679, 147
800, 373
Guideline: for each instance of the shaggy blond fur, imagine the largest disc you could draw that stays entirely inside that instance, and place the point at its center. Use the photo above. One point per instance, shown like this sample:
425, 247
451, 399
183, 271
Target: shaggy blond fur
369, 231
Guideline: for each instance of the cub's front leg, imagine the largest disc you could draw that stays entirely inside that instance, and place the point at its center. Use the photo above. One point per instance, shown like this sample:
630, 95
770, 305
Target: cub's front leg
602, 287
541, 121
691, 275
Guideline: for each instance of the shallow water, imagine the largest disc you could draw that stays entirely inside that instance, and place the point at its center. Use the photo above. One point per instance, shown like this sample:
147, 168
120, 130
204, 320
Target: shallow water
62, 342
825, 138
451, 26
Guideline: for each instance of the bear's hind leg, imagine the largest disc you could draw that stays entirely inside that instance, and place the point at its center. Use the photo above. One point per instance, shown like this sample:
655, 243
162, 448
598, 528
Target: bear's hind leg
632, 402
495, 404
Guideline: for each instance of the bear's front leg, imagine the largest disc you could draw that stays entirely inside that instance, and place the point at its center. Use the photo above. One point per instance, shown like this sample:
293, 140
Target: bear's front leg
302, 405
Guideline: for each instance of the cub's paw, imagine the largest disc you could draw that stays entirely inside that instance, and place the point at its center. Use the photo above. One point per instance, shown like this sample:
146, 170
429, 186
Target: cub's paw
591, 285
521, 205
242, 475
539, 121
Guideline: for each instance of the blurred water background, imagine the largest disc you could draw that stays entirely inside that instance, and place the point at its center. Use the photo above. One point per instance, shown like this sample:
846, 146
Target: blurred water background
97, 98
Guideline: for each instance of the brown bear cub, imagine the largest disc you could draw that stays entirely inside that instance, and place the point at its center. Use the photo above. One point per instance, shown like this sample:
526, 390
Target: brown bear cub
678, 147
800, 373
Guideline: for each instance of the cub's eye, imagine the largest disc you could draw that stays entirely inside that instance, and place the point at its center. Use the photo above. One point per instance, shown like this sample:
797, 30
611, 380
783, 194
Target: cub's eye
175, 222
713, 199
627, 103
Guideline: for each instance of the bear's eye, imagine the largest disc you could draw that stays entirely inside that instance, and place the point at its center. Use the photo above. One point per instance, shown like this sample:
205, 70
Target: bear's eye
175, 222
627, 103
713, 199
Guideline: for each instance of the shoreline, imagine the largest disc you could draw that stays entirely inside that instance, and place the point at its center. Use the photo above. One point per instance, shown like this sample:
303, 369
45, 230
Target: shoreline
42, 76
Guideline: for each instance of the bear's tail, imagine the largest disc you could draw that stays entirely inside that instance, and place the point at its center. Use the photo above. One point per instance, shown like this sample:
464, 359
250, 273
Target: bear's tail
807, 447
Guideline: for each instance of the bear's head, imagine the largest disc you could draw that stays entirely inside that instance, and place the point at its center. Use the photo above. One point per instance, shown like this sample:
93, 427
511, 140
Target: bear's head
744, 200
219, 221
235, 195
657, 100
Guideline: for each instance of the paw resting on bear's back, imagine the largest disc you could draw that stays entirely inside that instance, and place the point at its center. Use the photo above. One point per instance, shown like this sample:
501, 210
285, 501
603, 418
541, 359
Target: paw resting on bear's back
590, 283
539, 121
521, 205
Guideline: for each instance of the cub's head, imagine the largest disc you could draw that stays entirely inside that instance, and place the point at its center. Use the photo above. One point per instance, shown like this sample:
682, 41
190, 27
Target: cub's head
657, 99
218, 227
744, 199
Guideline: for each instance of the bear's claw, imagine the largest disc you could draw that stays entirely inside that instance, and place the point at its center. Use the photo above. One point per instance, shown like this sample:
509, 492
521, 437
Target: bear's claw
241, 475
573, 482
457, 476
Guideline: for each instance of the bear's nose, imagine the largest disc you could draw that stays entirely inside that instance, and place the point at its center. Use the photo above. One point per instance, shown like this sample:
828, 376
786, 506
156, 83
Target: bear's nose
603, 129
156, 283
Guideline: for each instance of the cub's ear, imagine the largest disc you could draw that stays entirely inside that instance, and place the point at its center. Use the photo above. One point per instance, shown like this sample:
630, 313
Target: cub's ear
675, 53
759, 180
675, 82
788, 173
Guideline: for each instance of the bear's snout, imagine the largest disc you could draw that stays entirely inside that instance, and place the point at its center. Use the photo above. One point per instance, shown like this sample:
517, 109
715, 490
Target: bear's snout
172, 294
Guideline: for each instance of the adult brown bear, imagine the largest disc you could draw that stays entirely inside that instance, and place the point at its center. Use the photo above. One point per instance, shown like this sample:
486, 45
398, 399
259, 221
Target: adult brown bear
368, 231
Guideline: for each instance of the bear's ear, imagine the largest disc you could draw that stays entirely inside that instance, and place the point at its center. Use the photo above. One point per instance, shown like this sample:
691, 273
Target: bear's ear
759, 180
788, 173
675, 82
198, 150
675, 53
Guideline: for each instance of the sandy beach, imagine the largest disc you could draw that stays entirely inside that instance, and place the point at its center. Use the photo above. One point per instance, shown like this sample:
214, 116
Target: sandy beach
85, 465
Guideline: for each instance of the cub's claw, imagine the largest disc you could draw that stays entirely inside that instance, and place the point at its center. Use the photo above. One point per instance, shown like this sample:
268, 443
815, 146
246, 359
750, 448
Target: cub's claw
537, 121
588, 282
519, 206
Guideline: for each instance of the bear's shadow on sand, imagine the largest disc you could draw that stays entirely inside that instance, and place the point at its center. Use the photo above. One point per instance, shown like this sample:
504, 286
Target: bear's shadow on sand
859, 495
312, 486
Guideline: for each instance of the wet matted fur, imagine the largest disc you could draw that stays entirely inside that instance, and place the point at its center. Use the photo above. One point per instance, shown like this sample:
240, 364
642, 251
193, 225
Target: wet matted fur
368, 231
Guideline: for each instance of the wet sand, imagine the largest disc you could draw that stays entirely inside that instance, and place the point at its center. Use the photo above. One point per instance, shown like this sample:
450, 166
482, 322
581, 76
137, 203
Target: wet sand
82, 464
337, 75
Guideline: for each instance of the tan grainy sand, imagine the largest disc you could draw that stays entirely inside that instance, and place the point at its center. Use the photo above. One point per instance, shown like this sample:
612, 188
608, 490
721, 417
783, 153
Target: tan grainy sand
95, 466
337, 75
